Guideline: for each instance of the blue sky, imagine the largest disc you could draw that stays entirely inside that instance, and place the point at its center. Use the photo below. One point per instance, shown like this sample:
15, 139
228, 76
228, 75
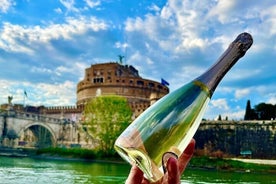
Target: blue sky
46, 45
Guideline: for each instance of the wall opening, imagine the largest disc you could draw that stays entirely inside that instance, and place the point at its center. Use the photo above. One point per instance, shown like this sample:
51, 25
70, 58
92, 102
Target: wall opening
36, 136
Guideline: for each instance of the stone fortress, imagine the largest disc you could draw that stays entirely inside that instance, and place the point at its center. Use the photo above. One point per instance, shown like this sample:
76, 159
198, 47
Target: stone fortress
122, 80
111, 78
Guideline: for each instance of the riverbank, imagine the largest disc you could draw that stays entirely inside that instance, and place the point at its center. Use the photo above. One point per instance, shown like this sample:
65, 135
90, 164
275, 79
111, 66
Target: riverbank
11, 152
200, 162
40, 171
73, 154
234, 164
256, 161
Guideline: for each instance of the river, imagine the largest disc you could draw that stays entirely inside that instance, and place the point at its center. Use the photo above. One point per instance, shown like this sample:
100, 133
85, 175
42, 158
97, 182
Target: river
39, 171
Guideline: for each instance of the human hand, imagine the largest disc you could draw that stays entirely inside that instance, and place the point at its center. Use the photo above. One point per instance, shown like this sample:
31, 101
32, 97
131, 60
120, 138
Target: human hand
174, 167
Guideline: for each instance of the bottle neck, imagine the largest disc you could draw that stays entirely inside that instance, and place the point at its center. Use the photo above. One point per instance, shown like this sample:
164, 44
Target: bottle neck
235, 51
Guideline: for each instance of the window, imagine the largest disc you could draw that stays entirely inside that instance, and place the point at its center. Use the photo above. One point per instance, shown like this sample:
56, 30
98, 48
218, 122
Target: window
151, 85
98, 80
140, 83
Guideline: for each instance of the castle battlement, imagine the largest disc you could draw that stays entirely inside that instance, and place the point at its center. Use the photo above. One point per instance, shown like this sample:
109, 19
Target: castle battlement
62, 109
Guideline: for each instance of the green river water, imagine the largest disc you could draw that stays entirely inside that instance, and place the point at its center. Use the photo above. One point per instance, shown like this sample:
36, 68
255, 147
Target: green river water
39, 171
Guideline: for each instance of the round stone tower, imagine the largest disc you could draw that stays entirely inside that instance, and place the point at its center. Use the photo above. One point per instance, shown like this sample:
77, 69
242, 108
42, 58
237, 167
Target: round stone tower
116, 79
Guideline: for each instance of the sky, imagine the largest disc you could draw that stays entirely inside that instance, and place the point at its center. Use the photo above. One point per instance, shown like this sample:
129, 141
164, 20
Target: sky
45, 47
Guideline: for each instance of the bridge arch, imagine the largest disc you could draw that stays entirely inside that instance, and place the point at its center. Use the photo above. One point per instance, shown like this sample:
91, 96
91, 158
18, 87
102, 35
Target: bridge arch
37, 135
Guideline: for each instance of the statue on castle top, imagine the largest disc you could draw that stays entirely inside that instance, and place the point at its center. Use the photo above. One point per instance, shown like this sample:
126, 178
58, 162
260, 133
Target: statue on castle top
10, 100
121, 58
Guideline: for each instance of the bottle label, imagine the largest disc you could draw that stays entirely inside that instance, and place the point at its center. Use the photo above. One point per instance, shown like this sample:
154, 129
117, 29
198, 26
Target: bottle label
202, 86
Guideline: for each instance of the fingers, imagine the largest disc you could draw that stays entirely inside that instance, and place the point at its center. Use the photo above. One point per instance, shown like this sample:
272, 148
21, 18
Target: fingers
135, 176
174, 168
186, 156
173, 171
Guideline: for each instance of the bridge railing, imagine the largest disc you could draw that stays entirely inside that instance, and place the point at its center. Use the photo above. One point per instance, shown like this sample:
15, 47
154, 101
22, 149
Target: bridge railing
32, 116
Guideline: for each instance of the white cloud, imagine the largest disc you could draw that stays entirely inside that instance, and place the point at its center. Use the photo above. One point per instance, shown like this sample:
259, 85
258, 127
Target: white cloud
272, 99
58, 10
234, 115
40, 70
122, 46
154, 7
222, 10
241, 73
186, 74
39, 94
79, 67
220, 107
62, 70
220, 104
134, 24
140, 60
5, 5
268, 16
69, 5
92, 3
15, 38
53, 94
240, 93
168, 33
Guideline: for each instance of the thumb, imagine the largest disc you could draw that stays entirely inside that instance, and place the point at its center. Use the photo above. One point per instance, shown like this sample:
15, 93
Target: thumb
186, 156
135, 176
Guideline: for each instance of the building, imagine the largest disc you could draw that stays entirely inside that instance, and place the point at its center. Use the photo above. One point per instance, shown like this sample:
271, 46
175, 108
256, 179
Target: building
99, 79
116, 79
105, 79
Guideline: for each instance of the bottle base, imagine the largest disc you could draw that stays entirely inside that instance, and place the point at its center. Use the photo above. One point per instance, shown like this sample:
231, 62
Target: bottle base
139, 158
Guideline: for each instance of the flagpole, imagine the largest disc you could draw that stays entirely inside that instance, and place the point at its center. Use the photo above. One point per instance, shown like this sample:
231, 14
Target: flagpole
24, 98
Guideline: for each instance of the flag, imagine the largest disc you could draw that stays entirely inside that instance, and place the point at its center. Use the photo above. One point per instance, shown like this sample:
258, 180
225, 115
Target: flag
25, 93
164, 82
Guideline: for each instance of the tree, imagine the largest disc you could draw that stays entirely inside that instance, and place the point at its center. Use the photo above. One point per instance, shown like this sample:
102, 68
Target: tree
107, 117
250, 114
219, 117
265, 111
248, 111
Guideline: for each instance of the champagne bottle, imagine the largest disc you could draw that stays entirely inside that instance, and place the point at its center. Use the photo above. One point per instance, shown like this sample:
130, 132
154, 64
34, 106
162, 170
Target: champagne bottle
166, 128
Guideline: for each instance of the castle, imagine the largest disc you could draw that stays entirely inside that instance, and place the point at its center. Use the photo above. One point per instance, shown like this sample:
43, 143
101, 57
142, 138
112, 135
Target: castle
110, 78
122, 80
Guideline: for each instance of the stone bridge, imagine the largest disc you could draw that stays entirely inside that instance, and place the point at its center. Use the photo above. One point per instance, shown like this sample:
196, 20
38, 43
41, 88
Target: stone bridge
20, 129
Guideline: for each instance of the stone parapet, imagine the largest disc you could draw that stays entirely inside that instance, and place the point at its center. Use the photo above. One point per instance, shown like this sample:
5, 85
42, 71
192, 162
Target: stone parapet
238, 137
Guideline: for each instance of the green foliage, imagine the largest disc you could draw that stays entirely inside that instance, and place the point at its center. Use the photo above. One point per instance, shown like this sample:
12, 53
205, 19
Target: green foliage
265, 111
261, 111
248, 111
69, 152
106, 117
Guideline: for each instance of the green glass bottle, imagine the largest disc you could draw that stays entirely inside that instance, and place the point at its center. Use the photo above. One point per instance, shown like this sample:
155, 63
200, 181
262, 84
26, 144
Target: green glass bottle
166, 128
